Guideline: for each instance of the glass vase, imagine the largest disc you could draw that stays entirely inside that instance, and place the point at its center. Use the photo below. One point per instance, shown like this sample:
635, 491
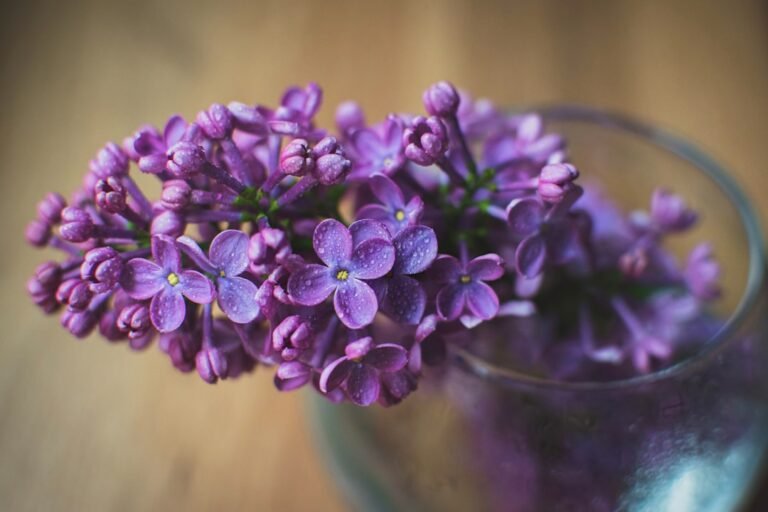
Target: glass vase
690, 437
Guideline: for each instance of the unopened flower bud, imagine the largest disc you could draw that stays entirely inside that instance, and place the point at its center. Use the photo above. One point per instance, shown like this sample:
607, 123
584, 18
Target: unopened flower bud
38, 233
441, 99
426, 140
111, 160
79, 323
49, 209
296, 159
349, 117
76, 225
554, 179
134, 320
102, 268
75, 293
185, 159
176, 195
216, 122
168, 223
110, 195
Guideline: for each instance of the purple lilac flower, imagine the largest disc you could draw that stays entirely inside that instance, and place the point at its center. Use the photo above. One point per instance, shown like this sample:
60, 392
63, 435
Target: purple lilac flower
361, 368
669, 212
166, 283
425, 140
464, 286
378, 151
702, 273
345, 270
528, 143
393, 211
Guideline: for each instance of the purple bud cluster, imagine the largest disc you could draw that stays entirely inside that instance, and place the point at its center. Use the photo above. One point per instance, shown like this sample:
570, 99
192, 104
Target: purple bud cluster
348, 260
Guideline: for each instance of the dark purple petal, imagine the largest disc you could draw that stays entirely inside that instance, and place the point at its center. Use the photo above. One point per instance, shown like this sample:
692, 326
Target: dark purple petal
488, 267
196, 254
405, 300
142, 279
355, 303
332, 243
372, 259
446, 269
237, 299
525, 217
387, 357
530, 256
165, 253
335, 374
363, 385
196, 287
451, 300
229, 252
167, 310
387, 192
482, 300
367, 229
415, 250
311, 284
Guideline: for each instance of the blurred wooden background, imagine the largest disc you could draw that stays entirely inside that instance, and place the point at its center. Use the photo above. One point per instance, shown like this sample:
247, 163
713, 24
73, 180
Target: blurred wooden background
88, 426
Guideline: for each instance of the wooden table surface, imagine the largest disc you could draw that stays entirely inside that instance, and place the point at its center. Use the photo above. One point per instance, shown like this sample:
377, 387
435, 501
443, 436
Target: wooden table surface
85, 426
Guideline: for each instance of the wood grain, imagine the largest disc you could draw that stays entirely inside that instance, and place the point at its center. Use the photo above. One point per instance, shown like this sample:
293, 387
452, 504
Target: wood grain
88, 426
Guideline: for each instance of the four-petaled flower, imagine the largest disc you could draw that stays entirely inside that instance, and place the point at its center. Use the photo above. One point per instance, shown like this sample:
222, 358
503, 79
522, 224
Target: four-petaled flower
227, 259
166, 283
393, 211
377, 151
465, 287
361, 368
346, 269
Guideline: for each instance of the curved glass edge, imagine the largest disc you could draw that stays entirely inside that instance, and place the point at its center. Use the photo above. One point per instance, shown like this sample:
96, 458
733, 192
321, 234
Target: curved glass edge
714, 171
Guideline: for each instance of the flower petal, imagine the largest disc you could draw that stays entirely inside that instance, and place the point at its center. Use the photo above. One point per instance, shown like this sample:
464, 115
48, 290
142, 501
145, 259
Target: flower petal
236, 297
167, 310
482, 300
530, 256
165, 253
387, 192
363, 385
196, 287
487, 267
174, 130
311, 284
376, 212
355, 303
196, 254
332, 242
525, 217
368, 144
372, 258
366, 229
142, 279
229, 252
335, 374
415, 250
405, 300
387, 357
446, 269
451, 300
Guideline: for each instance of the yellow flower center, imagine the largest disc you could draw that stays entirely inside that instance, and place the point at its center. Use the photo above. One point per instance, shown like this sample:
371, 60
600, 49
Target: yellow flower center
173, 279
222, 273
342, 275
465, 279
388, 162
400, 215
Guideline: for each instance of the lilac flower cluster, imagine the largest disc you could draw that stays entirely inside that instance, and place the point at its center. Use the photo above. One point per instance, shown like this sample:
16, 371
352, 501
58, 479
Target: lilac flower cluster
348, 260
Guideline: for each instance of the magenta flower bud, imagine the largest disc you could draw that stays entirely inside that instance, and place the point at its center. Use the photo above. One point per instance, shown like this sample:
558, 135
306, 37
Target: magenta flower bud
111, 160
247, 118
43, 285
349, 117
49, 275
134, 320
554, 180
297, 159
154, 163
76, 225
211, 365
216, 122
102, 268
633, 263
331, 165
75, 293
168, 223
182, 348
38, 233
426, 140
49, 209
441, 99
267, 249
185, 159
108, 326
110, 195
79, 323
292, 334
176, 195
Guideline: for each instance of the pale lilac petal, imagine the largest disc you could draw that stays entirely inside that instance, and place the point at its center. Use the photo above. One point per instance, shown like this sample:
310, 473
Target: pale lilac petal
488, 267
376, 212
530, 128
372, 259
174, 130
387, 357
530, 256
525, 217
482, 300
335, 374
165, 253
229, 252
451, 300
446, 269
405, 300
393, 134
387, 191
367, 143
413, 210
167, 310
311, 284
366, 229
415, 250
196, 287
142, 279
332, 242
358, 348
363, 385
355, 304
542, 148
236, 298
196, 254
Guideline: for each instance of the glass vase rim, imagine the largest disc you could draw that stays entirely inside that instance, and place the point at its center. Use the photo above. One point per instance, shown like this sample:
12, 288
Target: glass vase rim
709, 168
